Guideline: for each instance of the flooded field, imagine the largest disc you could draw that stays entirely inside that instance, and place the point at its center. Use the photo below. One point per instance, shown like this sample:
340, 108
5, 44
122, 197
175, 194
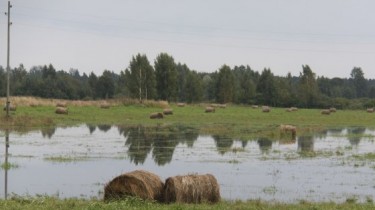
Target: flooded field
334, 165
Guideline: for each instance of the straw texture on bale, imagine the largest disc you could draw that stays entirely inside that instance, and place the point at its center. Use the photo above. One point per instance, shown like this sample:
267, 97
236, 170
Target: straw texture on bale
326, 111
167, 111
105, 106
210, 109
156, 115
61, 110
222, 106
370, 110
255, 106
266, 109
192, 189
139, 183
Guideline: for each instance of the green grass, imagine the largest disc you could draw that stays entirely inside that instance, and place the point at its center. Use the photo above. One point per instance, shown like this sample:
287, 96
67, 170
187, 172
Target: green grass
46, 203
237, 121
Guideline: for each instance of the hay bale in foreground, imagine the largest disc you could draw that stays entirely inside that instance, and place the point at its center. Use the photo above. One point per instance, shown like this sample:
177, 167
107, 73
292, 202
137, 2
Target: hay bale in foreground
209, 109
156, 115
192, 189
139, 183
370, 110
167, 111
61, 110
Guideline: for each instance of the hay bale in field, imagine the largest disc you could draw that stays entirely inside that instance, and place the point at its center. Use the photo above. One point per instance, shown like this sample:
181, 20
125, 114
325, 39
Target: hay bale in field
192, 189
209, 109
325, 112
105, 105
370, 110
61, 110
255, 106
139, 183
61, 104
223, 106
266, 109
284, 129
294, 109
288, 109
332, 109
12, 108
181, 104
156, 115
168, 111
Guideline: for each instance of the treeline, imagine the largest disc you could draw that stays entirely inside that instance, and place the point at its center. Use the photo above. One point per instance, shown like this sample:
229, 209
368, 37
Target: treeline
176, 82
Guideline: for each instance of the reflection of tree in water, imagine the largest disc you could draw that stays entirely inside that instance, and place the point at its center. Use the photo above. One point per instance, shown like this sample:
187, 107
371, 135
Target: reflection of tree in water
104, 128
223, 143
140, 141
48, 132
244, 143
164, 145
92, 128
355, 135
265, 144
306, 143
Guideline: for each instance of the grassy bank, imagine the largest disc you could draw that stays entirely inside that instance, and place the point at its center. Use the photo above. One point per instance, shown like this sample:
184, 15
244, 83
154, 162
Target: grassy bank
236, 121
72, 204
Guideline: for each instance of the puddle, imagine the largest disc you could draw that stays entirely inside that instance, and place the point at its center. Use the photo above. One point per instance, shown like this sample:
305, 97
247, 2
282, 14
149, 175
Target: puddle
333, 165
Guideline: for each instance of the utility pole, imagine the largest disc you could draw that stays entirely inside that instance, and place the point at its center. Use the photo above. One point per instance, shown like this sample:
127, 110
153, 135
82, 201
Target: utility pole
6, 164
8, 50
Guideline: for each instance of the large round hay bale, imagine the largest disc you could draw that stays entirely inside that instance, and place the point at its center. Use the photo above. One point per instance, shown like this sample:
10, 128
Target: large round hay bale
325, 112
370, 110
139, 183
105, 105
167, 111
209, 109
266, 109
156, 115
284, 129
192, 189
61, 110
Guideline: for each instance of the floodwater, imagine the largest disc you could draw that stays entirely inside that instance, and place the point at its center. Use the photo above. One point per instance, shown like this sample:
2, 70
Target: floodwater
78, 161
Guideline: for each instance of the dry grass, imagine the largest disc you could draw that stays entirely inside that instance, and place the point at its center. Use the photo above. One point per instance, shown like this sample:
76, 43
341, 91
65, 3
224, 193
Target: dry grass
35, 101
192, 189
142, 184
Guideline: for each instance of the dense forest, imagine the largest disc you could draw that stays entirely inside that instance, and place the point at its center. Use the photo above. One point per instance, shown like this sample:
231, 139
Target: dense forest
175, 82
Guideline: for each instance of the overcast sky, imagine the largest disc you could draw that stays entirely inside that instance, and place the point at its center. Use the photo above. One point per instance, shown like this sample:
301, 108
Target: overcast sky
331, 36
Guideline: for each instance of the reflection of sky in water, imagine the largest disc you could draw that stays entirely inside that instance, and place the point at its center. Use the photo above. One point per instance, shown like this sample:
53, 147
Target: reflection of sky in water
245, 170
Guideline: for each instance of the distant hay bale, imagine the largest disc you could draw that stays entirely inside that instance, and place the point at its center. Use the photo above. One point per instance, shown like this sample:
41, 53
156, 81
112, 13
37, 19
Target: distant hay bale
181, 104
255, 106
294, 109
214, 105
139, 183
61, 110
223, 106
332, 109
61, 104
370, 110
192, 189
288, 109
12, 108
210, 109
284, 129
156, 115
105, 105
325, 112
167, 111
266, 109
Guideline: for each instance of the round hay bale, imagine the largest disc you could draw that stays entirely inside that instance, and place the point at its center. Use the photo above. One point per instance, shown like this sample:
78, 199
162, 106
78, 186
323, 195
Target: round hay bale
156, 115
61, 110
266, 109
370, 110
223, 106
105, 106
210, 109
284, 129
12, 108
168, 111
294, 109
181, 104
255, 106
139, 183
289, 110
332, 109
192, 189
325, 112
61, 104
